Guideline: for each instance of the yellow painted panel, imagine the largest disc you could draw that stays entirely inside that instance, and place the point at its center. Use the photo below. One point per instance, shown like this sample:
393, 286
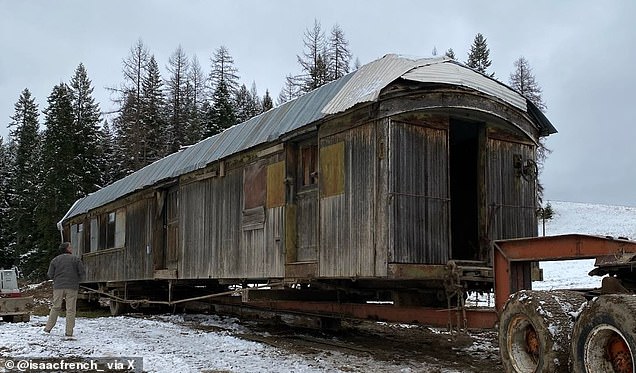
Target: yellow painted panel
332, 179
276, 184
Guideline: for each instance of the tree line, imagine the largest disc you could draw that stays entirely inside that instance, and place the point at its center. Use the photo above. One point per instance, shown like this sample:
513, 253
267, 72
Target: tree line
79, 149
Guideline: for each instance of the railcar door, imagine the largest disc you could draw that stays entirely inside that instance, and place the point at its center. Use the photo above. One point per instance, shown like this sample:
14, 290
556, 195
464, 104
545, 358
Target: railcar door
171, 228
307, 203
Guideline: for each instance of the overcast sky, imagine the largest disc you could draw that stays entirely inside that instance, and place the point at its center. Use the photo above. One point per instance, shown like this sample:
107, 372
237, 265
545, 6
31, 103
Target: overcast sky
583, 55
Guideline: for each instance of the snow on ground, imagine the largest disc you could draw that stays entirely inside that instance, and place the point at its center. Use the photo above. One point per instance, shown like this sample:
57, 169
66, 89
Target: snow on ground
572, 217
178, 343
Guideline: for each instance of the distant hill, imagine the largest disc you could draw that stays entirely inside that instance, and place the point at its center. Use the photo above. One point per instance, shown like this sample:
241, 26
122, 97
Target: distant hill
584, 218
603, 220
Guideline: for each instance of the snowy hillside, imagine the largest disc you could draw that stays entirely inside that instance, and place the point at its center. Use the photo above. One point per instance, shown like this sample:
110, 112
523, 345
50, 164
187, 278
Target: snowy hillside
572, 217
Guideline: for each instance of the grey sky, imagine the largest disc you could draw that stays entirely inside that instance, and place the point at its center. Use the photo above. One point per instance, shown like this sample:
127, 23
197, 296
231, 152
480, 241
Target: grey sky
582, 54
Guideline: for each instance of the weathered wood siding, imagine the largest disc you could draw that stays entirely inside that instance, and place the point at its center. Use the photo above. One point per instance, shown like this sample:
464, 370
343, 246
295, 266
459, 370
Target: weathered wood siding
138, 252
511, 198
347, 208
105, 265
420, 206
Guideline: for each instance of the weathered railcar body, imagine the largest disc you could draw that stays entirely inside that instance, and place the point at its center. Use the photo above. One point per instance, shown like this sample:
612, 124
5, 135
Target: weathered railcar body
376, 179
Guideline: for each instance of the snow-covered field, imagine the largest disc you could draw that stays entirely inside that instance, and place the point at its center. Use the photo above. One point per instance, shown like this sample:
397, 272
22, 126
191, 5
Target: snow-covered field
571, 217
204, 343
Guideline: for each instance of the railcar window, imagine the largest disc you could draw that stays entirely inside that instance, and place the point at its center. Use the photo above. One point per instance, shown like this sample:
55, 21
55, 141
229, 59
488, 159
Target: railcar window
110, 231
309, 165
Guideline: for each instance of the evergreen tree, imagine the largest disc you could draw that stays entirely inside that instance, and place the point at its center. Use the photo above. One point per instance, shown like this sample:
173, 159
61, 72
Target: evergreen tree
291, 90
127, 124
357, 64
223, 70
242, 104
111, 166
523, 81
177, 90
195, 100
314, 60
62, 178
339, 54
86, 118
255, 106
24, 174
222, 114
7, 254
478, 57
434, 51
450, 54
155, 137
267, 101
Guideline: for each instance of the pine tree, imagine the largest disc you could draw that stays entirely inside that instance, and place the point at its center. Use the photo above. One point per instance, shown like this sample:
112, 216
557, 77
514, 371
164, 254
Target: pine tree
156, 139
339, 54
357, 64
223, 70
523, 81
291, 90
24, 174
195, 99
450, 54
110, 167
434, 51
242, 103
177, 90
86, 119
267, 101
222, 114
255, 106
478, 57
8, 257
128, 122
62, 178
314, 60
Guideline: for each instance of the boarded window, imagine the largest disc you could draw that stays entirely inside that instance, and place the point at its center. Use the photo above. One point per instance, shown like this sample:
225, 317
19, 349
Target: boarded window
332, 169
276, 184
308, 165
77, 238
254, 185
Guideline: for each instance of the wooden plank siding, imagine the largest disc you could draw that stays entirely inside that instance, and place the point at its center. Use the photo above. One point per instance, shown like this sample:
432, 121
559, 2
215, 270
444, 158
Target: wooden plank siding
419, 199
511, 198
137, 254
347, 220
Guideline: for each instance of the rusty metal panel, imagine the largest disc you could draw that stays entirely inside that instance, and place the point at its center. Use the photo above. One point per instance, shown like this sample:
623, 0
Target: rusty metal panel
276, 184
347, 220
511, 197
332, 169
254, 184
419, 195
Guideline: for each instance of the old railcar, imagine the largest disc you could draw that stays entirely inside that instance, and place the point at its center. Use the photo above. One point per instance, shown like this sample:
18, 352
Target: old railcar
368, 186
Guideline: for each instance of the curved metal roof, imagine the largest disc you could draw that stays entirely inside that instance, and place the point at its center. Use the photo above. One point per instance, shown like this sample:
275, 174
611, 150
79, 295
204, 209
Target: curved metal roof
362, 85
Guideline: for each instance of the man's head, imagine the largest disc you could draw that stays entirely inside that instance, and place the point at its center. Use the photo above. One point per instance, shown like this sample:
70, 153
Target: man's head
65, 247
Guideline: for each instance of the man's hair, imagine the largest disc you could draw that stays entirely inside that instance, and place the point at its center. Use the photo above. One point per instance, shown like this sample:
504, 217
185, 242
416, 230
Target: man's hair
64, 246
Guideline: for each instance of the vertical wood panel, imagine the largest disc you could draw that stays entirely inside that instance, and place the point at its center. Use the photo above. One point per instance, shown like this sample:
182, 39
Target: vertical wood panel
511, 198
420, 205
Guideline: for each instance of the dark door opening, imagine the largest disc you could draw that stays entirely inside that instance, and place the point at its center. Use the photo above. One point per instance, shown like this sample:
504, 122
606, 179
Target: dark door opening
464, 189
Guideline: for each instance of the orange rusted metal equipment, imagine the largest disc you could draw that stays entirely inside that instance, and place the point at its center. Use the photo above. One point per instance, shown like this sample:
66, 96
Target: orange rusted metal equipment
512, 258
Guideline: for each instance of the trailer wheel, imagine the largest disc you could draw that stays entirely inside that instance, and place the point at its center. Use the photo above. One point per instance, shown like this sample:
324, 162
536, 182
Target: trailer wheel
116, 308
604, 337
534, 330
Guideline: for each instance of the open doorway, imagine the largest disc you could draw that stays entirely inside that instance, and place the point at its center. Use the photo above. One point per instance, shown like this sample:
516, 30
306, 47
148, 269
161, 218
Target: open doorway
464, 188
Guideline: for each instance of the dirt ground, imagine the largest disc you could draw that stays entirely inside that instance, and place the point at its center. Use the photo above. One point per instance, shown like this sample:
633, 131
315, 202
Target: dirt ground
474, 351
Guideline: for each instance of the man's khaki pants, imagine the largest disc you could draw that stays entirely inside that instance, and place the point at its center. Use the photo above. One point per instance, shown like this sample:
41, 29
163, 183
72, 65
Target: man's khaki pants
71, 299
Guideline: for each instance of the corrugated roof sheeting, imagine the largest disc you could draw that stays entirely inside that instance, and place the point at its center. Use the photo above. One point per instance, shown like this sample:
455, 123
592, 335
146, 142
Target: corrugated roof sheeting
450, 72
363, 85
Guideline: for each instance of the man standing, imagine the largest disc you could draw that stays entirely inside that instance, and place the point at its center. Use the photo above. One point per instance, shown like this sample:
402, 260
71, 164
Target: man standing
66, 271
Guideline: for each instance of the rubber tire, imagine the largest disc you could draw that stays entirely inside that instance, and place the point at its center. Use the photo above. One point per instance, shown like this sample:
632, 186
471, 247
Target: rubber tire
551, 314
611, 312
